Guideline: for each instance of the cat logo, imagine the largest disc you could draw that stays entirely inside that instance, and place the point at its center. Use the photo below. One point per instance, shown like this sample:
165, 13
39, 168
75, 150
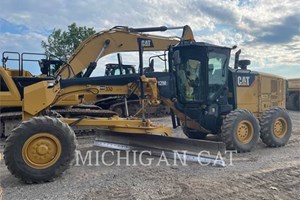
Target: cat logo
162, 83
146, 43
243, 80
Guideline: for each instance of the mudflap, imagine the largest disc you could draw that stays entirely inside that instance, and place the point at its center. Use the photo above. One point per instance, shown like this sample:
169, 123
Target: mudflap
179, 148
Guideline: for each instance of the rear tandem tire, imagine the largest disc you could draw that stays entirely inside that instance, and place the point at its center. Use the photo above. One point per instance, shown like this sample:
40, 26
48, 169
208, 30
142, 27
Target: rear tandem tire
240, 130
193, 134
40, 149
276, 127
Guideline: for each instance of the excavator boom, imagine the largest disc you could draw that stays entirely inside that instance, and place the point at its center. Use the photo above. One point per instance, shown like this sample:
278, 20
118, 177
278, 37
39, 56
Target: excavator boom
118, 39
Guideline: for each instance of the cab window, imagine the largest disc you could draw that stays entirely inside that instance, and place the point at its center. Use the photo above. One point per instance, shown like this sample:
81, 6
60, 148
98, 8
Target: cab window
117, 72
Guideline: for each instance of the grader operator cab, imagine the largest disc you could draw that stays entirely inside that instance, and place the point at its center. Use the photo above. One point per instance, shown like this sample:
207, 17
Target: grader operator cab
205, 95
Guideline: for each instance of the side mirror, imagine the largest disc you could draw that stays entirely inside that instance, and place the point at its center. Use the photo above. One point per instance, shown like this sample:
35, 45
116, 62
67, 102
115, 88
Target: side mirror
176, 58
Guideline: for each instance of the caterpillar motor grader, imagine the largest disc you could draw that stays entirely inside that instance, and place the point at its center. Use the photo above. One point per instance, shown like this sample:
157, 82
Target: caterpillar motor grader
206, 96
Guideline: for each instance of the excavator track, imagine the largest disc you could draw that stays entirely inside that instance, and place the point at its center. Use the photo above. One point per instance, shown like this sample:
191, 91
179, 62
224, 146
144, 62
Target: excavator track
9, 120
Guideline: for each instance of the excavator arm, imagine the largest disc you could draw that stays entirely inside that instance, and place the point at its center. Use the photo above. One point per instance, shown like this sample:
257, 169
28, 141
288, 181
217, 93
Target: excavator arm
118, 39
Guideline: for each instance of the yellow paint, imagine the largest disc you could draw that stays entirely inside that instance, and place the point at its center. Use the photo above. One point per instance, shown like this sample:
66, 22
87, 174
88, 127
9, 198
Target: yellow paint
267, 91
11, 97
123, 125
245, 132
280, 127
247, 97
41, 150
39, 96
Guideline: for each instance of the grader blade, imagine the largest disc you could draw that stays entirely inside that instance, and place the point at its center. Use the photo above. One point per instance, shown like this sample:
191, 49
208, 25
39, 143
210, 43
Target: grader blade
204, 152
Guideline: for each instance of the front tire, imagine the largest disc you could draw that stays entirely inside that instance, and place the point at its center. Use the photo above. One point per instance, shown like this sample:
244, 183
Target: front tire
40, 149
276, 127
240, 130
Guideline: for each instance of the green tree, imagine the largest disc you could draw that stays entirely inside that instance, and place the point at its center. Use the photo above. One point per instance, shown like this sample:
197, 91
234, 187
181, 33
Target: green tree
63, 43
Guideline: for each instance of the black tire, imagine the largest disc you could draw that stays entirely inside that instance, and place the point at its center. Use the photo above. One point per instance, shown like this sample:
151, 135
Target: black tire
268, 120
230, 130
16, 142
193, 134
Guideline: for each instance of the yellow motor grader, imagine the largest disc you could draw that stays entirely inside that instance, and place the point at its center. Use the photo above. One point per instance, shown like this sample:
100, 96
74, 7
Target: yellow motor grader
206, 96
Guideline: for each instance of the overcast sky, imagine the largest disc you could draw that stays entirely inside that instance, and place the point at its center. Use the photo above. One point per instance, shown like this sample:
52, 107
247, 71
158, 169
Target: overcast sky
267, 31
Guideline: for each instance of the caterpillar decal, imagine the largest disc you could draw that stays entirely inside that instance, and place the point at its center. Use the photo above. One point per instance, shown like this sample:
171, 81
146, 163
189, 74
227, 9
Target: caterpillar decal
245, 80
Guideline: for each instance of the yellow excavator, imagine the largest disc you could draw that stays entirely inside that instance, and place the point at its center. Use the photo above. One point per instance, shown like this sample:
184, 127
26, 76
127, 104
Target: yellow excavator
117, 39
206, 96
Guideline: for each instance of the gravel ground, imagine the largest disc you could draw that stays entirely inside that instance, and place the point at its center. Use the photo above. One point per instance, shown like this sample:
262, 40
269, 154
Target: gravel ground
264, 173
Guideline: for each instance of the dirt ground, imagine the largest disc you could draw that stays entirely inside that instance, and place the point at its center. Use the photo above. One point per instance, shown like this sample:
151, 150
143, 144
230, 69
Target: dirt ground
264, 173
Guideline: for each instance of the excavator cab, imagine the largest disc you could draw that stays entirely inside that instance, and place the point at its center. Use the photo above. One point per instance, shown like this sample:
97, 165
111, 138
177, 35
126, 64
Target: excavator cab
49, 67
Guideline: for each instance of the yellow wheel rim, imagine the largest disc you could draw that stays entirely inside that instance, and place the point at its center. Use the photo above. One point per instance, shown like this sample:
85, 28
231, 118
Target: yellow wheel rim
280, 127
245, 132
41, 150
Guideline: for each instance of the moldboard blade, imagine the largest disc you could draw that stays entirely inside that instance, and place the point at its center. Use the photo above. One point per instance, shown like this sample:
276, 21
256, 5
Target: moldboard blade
192, 150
